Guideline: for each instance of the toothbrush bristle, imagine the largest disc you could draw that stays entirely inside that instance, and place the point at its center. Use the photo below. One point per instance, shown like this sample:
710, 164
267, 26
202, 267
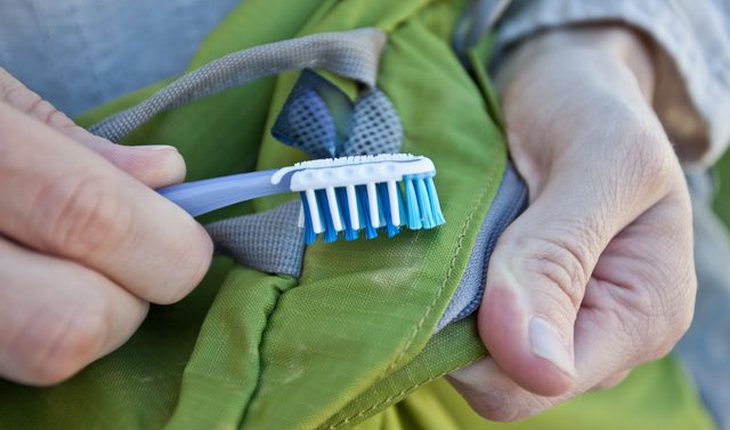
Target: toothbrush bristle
352, 194
330, 234
386, 209
363, 204
309, 234
435, 204
412, 202
413, 209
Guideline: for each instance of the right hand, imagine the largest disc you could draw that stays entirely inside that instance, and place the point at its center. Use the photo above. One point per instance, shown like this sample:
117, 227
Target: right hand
597, 276
85, 243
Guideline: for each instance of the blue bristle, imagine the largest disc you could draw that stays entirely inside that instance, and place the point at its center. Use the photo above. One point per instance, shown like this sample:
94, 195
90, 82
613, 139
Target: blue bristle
309, 236
412, 209
402, 207
385, 209
364, 219
438, 216
363, 205
330, 234
382, 220
424, 203
350, 233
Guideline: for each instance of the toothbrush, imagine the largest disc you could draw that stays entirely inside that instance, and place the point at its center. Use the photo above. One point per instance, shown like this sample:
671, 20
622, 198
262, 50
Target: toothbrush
339, 195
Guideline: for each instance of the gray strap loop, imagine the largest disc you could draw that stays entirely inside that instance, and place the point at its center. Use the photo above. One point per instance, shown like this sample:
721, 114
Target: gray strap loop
352, 54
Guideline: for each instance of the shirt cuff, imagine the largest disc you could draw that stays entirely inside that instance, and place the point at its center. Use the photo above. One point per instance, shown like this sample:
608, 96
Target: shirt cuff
692, 95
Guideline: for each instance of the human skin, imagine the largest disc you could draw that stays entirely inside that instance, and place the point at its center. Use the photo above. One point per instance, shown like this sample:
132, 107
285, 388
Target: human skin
85, 243
597, 276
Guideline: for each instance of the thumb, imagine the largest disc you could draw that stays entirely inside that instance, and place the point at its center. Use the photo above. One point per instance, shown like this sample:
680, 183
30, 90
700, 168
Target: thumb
537, 277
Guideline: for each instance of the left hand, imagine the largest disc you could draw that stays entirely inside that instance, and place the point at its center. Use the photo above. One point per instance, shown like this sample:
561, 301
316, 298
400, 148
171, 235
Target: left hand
597, 276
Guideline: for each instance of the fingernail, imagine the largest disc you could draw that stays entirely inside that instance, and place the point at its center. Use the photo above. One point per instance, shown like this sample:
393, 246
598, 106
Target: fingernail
546, 342
155, 147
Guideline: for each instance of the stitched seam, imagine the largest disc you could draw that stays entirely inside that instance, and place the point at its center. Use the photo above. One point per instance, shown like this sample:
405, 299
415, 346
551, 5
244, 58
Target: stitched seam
262, 363
447, 278
393, 397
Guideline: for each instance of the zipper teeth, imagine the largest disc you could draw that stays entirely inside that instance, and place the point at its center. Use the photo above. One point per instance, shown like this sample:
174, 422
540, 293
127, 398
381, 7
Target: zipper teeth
514, 192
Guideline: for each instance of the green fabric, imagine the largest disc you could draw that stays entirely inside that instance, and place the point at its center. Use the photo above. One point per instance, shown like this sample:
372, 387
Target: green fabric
353, 335
654, 396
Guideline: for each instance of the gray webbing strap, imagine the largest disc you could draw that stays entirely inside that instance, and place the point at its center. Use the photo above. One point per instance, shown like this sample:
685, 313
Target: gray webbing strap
270, 241
351, 54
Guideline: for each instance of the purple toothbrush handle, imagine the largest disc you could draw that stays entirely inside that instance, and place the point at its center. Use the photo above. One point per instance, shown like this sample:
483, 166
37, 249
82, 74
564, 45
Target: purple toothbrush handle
200, 197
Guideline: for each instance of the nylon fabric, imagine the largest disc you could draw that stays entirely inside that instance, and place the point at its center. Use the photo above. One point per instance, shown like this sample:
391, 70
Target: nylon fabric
655, 395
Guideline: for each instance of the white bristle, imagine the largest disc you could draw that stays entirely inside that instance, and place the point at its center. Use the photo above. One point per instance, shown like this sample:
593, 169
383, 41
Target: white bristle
393, 201
373, 205
334, 209
314, 211
352, 207
301, 215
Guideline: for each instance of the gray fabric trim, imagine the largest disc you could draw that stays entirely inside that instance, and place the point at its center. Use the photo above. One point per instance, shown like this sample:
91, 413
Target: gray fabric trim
270, 241
510, 201
351, 54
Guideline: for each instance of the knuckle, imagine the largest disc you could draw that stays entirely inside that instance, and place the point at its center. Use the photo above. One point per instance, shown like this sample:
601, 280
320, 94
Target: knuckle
19, 96
655, 319
196, 261
677, 321
675, 308
501, 412
649, 167
562, 264
61, 347
48, 114
611, 381
516, 407
79, 215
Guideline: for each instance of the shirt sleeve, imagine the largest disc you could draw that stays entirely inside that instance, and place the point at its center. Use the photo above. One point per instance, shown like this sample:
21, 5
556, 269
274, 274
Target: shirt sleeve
692, 96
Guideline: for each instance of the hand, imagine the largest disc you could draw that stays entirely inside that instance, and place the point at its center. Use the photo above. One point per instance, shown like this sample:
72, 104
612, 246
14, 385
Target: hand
85, 243
597, 276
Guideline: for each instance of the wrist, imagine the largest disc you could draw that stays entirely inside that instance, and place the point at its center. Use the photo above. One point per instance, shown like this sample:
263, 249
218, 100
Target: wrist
614, 42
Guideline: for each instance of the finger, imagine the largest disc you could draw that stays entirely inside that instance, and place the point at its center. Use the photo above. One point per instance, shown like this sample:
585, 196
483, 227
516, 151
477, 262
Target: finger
538, 272
58, 316
62, 199
643, 289
612, 381
153, 165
